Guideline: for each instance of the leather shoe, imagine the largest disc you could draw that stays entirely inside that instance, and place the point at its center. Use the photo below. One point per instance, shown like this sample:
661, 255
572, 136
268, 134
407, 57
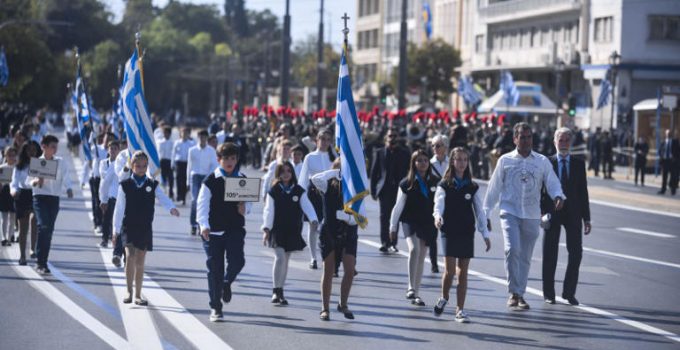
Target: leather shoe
572, 301
550, 301
226, 292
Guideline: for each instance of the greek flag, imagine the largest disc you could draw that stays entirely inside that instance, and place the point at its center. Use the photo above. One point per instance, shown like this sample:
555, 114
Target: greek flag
605, 91
348, 139
136, 118
4, 68
467, 91
82, 116
510, 91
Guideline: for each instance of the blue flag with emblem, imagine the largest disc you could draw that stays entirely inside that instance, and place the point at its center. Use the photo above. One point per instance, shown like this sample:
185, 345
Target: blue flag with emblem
605, 91
4, 68
136, 117
510, 92
467, 91
348, 139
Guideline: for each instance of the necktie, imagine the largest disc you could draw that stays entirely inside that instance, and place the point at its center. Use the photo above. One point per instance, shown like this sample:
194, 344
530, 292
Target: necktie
563, 175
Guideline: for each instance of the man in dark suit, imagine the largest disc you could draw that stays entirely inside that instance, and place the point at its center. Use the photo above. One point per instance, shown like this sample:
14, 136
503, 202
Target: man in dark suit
576, 212
390, 165
669, 156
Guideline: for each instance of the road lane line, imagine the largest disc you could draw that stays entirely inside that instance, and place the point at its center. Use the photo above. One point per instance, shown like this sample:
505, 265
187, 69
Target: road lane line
140, 327
645, 232
612, 316
72, 309
629, 257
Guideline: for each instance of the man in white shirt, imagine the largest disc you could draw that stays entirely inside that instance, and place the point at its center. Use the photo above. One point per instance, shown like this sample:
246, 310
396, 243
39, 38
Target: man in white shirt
165, 146
516, 183
46, 200
202, 162
180, 154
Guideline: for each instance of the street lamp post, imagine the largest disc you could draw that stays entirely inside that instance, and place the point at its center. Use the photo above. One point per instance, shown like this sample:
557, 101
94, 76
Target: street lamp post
614, 61
559, 68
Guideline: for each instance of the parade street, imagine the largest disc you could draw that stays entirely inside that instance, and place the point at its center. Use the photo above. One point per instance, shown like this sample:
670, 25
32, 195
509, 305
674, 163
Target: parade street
629, 282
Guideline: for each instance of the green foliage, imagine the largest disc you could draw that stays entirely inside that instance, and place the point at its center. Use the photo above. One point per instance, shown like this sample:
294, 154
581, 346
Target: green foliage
305, 63
202, 43
100, 67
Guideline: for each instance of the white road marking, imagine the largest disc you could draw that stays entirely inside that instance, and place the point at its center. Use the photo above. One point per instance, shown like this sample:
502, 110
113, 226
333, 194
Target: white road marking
612, 316
645, 232
139, 325
629, 257
72, 309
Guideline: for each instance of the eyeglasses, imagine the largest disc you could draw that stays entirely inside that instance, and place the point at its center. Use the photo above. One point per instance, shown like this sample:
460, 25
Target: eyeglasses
437, 145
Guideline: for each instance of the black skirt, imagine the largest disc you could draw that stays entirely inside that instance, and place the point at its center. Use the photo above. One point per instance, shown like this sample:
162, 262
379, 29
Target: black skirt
459, 244
289, 241
426, 232
6, 200
139, 240
23, 204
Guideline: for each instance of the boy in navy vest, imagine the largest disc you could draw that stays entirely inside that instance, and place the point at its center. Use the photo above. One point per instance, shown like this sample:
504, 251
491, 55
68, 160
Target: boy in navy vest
222, 229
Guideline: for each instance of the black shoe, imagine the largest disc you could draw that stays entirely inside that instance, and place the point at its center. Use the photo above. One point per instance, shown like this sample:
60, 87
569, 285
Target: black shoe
383, 249
193, 231
22, 261
4, 242
394, 249
141, 302
104, 244
550, 301
43, 270
435, 269
275, 296
661, 192
572, 301
312, 265
345, 311
282, 298
417, 301
127, 300
226, 292
33, 256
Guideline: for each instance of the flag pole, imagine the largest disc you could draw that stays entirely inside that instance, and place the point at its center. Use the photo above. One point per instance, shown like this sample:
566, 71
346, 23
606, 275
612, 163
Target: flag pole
345, 32
138, 38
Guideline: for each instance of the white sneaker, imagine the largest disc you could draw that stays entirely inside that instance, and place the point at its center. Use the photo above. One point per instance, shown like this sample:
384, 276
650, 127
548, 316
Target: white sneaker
216, 316
439, 308
462, 317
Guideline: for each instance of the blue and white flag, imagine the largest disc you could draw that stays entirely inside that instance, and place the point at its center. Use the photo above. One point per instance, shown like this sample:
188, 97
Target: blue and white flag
605, 91
136, 117
510, 92
467, 91
427, 20
348, 139
4, 68
82, 111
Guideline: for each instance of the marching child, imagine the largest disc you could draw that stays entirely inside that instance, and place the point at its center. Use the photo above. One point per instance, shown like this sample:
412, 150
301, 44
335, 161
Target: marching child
133, 218
457, 210
223, 231
6, 200
282, 229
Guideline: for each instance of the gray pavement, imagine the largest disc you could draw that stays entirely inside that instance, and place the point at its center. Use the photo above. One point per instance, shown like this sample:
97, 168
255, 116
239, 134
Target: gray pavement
628, 286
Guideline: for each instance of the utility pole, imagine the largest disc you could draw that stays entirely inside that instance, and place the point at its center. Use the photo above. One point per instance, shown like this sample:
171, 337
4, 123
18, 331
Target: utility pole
320, 65
402, 56
285, 56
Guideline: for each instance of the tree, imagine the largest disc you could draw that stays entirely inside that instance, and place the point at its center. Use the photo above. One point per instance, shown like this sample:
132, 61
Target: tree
101, 65
88, 23
138, 14
195, 19
236, 16
305, 62
431, 65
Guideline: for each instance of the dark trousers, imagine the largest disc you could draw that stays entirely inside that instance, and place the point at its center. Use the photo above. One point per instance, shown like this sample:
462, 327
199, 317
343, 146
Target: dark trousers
550, 248
196, 181
640, 169
96, 211
181, 169
607, 166
668, 175
46, 209
229, 244
433, 249
107, 222
387, 199
167, 176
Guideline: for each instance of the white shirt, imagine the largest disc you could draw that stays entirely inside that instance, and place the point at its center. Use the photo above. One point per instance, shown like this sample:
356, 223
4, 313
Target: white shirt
270, 209
320, 181
122, 163
100, 155
203, 206
109, 185
53, 187
202, 161
19, 180
440, 204
180, 150
314, 163
439, 166
221, 135
165, 148
268, 177
517, 183
121, 202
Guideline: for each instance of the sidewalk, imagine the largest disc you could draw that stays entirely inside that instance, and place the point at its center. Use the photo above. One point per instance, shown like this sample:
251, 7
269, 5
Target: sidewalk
622, 190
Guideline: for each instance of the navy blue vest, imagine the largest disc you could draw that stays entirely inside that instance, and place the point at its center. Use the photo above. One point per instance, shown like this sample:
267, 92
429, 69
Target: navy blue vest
223, 216
459, 214
418, 209
139, 206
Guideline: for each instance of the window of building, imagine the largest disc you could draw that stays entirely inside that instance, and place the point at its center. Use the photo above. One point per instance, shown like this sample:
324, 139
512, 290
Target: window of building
479, 43
533, 38
603, 29
664, 27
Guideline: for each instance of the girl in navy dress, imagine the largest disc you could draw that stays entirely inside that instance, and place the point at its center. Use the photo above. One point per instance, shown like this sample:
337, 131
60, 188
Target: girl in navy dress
283, 212
457, 210
133, 217
6, 200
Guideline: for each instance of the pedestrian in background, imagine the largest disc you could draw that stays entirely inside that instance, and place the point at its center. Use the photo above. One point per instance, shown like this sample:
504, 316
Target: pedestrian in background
415, 202
201, 162
7, 212
133, 218
285, 205
180, 156
607, 149
457, 211
669, 158
641, 150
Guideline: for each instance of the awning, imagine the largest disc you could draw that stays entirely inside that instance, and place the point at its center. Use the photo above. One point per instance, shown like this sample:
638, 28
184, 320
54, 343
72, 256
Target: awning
531, 101
649, 104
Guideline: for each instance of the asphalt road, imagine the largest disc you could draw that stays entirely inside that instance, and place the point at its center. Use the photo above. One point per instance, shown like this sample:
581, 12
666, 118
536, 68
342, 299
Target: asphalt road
629, 283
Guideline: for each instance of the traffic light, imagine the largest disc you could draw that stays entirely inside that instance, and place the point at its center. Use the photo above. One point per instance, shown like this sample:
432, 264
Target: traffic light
572, 106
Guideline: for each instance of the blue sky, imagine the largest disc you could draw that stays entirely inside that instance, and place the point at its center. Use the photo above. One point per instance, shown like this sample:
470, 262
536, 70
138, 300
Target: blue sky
304, 14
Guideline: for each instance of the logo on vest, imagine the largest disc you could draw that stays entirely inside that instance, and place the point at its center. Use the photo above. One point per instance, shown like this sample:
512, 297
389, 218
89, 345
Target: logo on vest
433, 189
296, 198
242, 183
468, 196
148, 188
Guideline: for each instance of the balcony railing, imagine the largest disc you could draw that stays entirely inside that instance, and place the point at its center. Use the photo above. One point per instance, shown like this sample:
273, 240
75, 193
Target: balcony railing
519, 8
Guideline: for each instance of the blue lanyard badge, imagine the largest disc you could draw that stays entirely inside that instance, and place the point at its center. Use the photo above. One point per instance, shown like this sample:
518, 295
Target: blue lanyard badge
459, 183
421, 183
